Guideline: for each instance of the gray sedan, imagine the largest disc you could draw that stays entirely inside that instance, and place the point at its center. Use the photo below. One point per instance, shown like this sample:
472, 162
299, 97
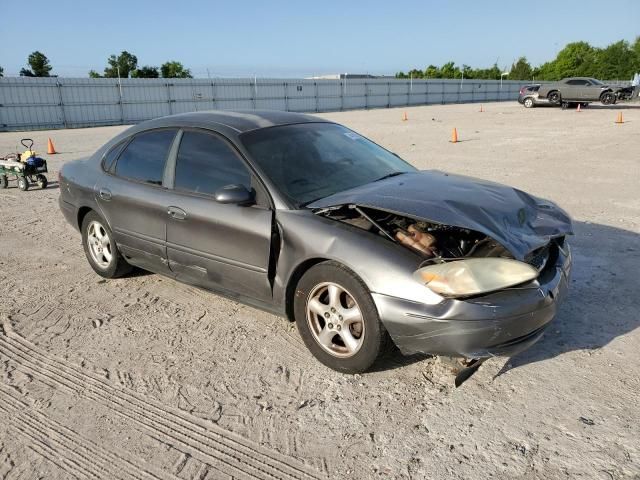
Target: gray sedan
309, 220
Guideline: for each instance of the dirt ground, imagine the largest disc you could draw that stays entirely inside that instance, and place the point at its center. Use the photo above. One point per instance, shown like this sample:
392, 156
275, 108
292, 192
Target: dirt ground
143, 377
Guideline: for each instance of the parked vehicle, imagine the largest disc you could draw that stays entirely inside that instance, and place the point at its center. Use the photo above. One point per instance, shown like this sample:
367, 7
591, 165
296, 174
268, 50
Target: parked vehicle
529, 96
583, 90
310, 220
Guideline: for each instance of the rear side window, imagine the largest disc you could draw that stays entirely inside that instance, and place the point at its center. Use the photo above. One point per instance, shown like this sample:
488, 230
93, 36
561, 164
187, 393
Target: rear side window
144, 158
207, 163
111, 155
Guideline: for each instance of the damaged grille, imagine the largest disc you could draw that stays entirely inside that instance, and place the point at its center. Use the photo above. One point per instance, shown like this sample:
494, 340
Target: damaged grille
538, 258
544, 256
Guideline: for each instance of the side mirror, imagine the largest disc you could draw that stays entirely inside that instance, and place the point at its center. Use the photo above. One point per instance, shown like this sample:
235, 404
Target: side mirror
235, 194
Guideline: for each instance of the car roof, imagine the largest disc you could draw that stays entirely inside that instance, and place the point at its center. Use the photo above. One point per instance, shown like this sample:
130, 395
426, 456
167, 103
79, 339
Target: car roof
239, 121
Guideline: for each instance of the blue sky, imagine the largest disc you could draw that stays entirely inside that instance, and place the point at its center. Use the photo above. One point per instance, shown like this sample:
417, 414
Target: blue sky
287, 38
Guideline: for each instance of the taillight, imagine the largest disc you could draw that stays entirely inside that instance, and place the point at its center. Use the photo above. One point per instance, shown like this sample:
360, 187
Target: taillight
522, 91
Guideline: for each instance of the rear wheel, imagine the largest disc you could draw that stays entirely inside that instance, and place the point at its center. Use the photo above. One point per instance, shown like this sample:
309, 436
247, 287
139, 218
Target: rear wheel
23, 184
42, 181
100, 248
528, 102
337, 318
554, 97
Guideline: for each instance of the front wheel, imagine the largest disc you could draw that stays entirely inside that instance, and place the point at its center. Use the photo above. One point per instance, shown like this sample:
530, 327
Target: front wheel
42, 181
4, 181
337, 318
528, 102
100, 248
608, 98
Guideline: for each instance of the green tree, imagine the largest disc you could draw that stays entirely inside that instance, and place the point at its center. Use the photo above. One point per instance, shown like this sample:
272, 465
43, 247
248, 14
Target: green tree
1, 72
146, 72
94, 74
578, 59
39, 63
173, 69
615, 61
635, 48
449, 70
468, 72
521, 70
121, 66
432, 72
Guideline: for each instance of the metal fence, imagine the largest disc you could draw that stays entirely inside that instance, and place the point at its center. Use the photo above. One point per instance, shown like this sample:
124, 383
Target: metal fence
47, 103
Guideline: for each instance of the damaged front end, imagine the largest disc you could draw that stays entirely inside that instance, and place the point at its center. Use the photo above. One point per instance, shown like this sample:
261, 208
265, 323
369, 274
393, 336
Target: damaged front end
494, 258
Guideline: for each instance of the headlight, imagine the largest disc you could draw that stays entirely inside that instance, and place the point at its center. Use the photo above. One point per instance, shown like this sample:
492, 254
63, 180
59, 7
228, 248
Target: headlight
474, 275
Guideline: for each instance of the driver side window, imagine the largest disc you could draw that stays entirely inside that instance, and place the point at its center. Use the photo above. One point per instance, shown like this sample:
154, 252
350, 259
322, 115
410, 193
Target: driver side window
206, 163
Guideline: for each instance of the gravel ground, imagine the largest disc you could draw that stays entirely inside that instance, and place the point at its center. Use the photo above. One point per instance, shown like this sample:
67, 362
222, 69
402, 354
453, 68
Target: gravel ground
143, 377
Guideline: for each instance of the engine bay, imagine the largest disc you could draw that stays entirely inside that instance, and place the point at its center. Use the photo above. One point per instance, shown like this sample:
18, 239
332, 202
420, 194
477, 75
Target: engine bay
430, 240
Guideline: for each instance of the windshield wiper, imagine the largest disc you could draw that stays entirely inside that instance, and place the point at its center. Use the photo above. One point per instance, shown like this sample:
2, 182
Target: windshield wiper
389, 175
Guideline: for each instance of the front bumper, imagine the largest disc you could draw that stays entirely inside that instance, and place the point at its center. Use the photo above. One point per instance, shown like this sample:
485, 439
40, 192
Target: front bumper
497, 324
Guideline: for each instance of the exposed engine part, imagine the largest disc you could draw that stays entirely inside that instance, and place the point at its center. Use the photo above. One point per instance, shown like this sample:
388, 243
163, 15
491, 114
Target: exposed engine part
418, 240
432, 241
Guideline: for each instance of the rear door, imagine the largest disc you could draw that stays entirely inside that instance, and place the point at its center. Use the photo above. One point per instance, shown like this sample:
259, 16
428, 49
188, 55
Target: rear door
132, 198
222, 247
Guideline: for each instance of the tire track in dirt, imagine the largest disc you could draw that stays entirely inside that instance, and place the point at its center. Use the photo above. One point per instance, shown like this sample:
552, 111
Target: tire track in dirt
219, 448
70, 447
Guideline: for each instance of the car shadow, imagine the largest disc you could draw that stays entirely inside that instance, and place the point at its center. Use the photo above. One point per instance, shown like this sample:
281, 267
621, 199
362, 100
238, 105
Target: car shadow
602, 304
617, 106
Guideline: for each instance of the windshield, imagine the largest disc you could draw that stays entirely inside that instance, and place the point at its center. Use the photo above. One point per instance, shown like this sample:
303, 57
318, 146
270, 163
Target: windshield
309, 161
596, 82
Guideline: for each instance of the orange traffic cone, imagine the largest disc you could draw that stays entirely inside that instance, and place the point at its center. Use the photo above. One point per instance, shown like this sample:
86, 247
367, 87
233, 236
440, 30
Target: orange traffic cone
578, 109
619, 119
404, 117
454, 136
481, 110
50, 149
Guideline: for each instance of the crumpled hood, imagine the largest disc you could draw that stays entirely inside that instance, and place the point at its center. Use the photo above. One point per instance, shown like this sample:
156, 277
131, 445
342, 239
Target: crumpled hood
520, 222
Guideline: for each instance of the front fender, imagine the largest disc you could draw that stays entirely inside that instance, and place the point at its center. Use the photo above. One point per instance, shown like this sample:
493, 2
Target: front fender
385, 267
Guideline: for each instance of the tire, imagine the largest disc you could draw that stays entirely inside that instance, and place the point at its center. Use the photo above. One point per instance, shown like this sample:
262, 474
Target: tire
608, 98
4, 181
554, 97
42, 181
103, 256
323, 327
528, 103
23, 184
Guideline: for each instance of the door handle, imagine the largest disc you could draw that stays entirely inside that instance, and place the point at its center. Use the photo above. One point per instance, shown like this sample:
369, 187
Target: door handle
105, 194
176, 213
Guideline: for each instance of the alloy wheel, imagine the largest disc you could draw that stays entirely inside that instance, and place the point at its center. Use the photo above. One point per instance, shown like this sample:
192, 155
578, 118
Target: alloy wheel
335, 320
99, 244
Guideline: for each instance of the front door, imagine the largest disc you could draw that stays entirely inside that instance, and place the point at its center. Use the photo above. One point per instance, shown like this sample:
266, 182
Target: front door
133, 199
222, 247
